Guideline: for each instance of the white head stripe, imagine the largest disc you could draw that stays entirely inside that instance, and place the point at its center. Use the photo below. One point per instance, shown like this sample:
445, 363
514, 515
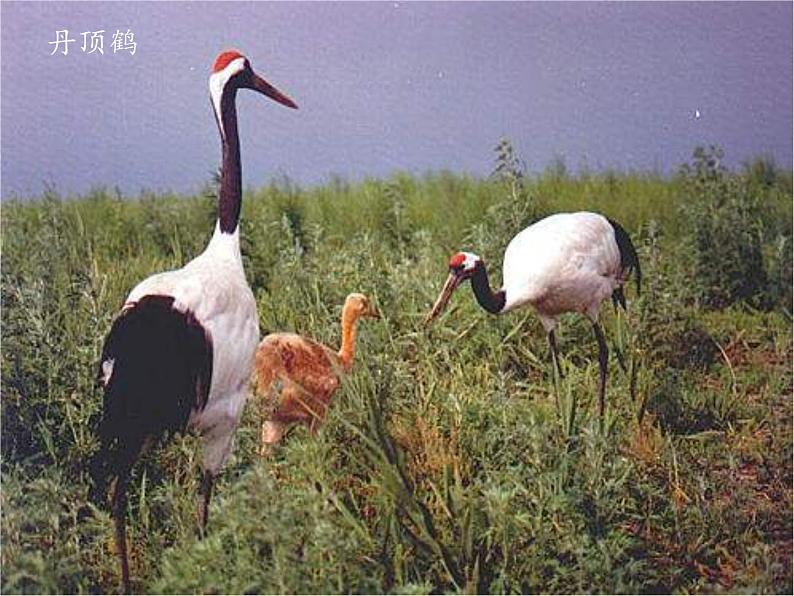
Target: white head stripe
218, 82
470, 261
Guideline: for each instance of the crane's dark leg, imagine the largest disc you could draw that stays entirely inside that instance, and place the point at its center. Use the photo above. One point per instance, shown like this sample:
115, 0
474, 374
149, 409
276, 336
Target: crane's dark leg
603, 357
119, 509
621, 359
618, 352
126, 459
555, 354
204, 501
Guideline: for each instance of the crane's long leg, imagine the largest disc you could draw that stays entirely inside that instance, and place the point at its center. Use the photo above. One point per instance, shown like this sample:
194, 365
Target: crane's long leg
204, 501
119, 509
603, 357
619, 328
126, 459
555, 354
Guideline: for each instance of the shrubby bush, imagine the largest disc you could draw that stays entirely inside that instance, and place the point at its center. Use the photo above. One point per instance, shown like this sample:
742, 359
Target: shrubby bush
736, 245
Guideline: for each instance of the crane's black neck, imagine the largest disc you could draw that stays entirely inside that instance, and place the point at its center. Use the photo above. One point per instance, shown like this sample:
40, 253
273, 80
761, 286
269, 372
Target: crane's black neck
491, 301
231, 187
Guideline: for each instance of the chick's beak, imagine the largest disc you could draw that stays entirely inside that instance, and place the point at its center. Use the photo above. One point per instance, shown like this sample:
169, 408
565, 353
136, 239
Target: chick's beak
372, 312
453, 281
259, 84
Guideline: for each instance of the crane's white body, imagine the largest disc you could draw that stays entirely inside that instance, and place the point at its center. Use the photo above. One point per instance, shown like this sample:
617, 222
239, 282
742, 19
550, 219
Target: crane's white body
567, 262
213, 287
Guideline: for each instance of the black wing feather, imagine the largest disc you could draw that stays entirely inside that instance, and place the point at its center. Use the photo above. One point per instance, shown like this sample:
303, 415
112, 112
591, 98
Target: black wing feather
628, 262
160, 369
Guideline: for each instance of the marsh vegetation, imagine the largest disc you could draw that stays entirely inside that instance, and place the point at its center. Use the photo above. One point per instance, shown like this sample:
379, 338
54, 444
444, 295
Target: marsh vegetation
450, 461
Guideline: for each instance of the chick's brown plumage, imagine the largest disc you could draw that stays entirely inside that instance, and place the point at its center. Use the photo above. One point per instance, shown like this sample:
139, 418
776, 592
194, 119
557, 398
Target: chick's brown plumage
296, 377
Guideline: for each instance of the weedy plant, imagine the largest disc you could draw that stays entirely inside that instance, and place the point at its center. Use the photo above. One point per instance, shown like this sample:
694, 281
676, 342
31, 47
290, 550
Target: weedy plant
723, 213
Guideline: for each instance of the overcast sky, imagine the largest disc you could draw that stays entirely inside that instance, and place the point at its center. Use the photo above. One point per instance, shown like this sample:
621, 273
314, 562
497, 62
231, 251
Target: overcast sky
388, 86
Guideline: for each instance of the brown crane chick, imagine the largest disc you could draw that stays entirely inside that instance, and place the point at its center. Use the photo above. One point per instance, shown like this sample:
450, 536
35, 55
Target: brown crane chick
301, 375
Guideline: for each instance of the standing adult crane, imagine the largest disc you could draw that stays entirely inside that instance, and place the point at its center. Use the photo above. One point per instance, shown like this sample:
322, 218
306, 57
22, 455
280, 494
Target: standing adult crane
567, 262
180, 353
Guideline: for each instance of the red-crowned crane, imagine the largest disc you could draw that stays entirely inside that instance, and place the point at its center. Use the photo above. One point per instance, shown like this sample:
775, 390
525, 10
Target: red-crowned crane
180, 353
567, 262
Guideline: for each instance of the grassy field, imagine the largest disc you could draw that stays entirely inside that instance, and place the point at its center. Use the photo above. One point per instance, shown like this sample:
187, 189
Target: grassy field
450, 462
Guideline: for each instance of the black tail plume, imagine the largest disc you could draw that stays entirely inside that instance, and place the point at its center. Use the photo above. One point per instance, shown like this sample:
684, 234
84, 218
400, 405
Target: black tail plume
628, 260
156, 368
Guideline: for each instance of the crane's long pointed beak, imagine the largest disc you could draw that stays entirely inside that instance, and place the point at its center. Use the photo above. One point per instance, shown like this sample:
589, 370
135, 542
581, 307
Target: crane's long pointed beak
453, 281
257, 83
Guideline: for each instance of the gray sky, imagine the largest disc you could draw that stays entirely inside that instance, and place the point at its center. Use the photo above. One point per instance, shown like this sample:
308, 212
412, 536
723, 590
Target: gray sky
389, 86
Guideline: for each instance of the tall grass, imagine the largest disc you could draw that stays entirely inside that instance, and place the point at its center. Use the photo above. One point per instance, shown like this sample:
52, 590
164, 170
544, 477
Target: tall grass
451, 461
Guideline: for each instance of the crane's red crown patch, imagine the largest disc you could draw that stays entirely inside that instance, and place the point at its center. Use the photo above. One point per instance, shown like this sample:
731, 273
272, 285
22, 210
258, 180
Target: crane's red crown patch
457, 260
223, 59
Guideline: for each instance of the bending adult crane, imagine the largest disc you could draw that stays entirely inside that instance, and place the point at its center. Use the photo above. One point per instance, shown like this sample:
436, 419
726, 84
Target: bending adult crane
567, 262
180, 353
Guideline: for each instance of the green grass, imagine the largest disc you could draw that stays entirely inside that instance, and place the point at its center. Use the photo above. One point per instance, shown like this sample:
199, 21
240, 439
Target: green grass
450, 462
